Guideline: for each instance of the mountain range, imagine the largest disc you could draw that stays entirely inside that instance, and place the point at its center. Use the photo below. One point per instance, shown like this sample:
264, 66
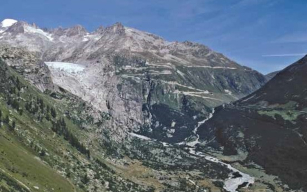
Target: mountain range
125, 72
138, 113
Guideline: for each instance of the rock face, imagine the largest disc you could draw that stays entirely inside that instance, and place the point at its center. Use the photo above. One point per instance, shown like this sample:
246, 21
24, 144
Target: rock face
29, 65
268, 125
134, 76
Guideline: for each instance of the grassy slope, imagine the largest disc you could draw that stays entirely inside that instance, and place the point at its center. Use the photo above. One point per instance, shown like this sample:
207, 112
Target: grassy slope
20, 149
25, 167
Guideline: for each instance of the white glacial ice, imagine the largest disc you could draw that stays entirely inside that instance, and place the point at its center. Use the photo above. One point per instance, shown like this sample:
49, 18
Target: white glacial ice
67, 67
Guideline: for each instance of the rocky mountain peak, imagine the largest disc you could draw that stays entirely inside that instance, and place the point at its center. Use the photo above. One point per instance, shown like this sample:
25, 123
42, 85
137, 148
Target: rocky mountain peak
117, 28
57, 31
99, 30
34, 25
189, 43
195, 45
76, 30
16, 28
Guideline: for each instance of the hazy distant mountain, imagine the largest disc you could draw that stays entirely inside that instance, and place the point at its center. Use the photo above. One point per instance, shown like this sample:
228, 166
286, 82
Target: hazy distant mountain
269, 76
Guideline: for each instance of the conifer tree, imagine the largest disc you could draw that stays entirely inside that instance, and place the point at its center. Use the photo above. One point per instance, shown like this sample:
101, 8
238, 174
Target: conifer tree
13, 126
53, 112
6, 119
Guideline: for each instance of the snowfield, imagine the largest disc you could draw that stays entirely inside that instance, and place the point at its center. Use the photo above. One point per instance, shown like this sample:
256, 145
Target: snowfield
66, 67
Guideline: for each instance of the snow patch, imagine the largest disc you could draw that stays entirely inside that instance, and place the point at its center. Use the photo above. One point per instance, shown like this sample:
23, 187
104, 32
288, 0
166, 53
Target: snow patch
8, 22
173, 124
85, 39
140, 136
190, 66
197, 94
30, 29
248, 98
189, 87
67, 67
36, 187
180, 73
164, 65
164, 72
89, 37
228, 92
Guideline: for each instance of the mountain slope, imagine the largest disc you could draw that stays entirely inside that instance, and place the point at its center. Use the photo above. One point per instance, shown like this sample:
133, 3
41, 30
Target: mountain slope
43, 146
269, 126
20, 146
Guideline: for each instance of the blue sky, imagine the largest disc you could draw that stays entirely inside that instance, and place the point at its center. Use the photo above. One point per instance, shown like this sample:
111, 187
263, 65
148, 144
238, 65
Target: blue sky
266, 35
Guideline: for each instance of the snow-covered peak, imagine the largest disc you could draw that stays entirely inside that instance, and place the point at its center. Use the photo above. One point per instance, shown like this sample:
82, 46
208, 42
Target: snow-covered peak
8, 22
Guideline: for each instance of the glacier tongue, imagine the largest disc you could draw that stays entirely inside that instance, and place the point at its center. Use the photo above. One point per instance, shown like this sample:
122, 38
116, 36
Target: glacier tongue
67, 67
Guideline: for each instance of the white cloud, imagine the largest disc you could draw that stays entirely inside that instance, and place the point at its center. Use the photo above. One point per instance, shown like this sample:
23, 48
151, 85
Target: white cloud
285, 55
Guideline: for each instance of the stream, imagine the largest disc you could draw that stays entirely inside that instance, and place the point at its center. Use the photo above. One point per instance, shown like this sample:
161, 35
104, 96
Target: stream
236, 179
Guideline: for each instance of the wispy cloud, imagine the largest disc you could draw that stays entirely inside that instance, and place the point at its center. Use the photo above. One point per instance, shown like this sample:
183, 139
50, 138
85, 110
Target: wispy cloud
247, 3
285, 55
294, 37
184, 10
